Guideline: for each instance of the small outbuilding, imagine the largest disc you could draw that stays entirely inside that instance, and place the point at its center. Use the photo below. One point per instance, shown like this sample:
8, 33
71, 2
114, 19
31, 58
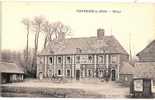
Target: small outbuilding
126, 73
10, 72
145, 70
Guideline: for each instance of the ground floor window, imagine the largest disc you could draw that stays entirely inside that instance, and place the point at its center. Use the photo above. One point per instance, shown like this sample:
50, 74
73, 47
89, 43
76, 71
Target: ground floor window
59, 72
49, 73
89, 73
101, 73
14, 77
68, 72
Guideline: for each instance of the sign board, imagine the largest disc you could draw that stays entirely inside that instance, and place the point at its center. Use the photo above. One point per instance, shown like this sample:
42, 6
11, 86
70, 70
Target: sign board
138, 85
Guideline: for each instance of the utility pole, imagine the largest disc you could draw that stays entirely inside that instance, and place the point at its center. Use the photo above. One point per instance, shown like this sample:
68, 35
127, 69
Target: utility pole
130, 52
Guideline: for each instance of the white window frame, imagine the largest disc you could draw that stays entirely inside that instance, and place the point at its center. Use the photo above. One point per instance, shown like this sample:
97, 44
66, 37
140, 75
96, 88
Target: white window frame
58, 72
91, 73
101, 59
90, 61
58, 60
49, 61
50, 73
69, 72
69, 62
41, 60
77, 61
113, 59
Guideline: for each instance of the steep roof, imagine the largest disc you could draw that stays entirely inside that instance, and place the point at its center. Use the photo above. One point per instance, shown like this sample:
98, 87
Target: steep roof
145, 70
127, 68
86, 45
150, 48
10, 68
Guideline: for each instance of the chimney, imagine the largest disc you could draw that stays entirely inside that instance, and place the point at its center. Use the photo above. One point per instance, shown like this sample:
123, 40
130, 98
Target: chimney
100, 33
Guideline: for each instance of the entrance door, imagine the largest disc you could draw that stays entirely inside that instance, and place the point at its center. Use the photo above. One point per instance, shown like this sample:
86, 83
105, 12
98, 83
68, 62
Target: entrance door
147, 87
77, 74
113, 75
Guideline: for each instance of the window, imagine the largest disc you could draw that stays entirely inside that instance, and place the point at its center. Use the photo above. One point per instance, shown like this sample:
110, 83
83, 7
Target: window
14, 77
59, 60
113, 59
100, 59
68, 73
50, 60
78, 59
49, 73
41, 60
68, 60
89, 72
59, 72
101, 73
90, 59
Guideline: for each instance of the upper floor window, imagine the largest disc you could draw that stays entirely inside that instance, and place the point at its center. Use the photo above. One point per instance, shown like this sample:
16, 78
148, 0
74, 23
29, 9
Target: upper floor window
101, 59
50, 60
41, 60
68, 60
59, 59
90, 58
113, 59
77, 59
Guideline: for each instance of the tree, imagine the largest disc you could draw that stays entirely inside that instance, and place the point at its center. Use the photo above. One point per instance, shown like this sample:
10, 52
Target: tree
6, 56
37, 24
55, 30
60, 30
47, 29
27, 22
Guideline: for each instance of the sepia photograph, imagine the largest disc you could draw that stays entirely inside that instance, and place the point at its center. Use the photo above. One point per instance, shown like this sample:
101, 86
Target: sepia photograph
66, 49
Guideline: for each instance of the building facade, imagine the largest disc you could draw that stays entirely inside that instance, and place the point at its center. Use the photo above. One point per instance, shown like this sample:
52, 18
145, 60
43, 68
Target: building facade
10, 72
145, 66
77, 58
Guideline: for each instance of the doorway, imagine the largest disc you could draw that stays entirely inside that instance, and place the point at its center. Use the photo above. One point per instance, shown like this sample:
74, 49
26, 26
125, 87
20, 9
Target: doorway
113, 75
77, 74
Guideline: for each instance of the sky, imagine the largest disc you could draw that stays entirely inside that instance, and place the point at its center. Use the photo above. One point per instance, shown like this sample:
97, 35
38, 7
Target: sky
136, 21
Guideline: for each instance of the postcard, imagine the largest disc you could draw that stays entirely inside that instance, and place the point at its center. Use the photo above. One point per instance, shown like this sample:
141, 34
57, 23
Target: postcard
66, 49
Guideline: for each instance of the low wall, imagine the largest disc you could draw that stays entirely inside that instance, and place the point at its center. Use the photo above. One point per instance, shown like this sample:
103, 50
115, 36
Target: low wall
12, 91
